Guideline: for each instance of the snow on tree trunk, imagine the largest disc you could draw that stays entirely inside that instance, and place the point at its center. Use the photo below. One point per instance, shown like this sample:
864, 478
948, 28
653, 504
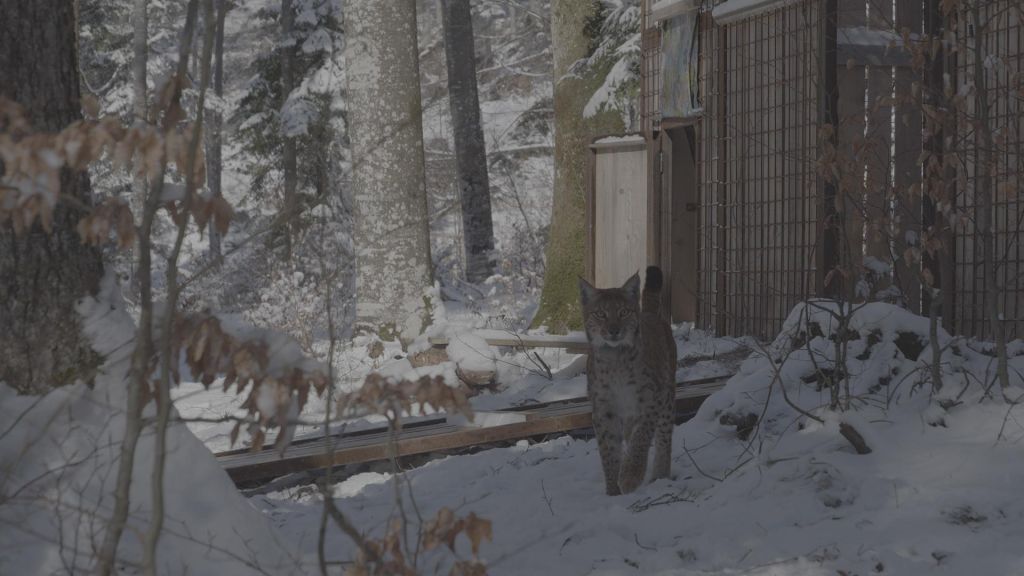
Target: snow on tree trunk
43, 275
213, 145
287, 85
392, 233
470, 152
559, 305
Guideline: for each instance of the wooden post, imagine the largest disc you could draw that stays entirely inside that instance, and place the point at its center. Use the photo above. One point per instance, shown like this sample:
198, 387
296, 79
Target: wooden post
655, 174
942, 265
907, 170
723, 170
590, 213
828, 114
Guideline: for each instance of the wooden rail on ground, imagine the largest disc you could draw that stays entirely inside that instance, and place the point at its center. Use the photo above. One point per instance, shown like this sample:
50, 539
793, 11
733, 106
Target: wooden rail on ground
575, 343
488, 427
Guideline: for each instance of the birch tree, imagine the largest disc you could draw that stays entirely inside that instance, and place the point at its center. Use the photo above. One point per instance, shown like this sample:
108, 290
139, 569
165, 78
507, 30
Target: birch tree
470, 152
43, 275
392, 234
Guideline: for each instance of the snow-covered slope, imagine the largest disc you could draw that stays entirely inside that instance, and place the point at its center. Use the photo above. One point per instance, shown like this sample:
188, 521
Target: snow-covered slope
789, 497
58, 467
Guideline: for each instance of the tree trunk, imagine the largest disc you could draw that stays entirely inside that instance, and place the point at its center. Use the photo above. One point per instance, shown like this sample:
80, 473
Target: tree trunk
213, 145
470, 151
287, 85
140, 59
392, 233
43, 275
559, 304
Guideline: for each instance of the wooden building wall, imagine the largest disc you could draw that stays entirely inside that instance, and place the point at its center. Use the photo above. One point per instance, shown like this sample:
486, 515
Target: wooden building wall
758, 191
815, 84
998, 43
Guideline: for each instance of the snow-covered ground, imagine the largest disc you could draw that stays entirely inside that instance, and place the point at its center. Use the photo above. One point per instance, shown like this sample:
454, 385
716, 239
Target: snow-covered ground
58, 468
764, 482
938, 494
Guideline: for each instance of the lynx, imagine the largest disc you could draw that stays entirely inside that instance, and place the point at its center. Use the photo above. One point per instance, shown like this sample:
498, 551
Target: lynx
630, 379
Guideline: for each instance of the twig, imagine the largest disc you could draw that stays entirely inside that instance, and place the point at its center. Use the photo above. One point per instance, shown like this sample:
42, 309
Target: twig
697, 466
350, 530
854, 437
636, 539
140, 367
173, 291
547, 499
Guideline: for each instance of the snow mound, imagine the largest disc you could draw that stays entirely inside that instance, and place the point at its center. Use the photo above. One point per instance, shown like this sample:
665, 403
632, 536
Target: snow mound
58, 468
761, 485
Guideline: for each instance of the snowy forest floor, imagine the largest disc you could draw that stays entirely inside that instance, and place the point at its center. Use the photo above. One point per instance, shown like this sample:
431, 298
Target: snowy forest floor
938, 494
763, 482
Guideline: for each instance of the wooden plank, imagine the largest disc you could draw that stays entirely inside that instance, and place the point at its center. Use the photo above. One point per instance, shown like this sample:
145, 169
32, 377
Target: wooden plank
620, 243
681, 385
432, 438
590, 210
627, 143
407, 423
443, 438
683, 394
575, 342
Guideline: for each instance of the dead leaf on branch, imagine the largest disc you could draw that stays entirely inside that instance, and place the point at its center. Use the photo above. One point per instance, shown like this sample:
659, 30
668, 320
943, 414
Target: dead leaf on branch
114, 214
30, 187
277, 393
379, 395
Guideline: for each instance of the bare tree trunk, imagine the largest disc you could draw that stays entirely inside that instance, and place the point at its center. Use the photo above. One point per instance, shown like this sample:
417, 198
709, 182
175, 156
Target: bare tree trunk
214, 161
42, 275
140, 59
167, 359
287, 85
937, 186
140, 104
141, 357
984, 189
559, 303
392, 233
470, 150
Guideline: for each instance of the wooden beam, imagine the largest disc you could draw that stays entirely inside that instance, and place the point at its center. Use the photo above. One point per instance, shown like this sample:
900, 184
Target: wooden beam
382, 445
574, 343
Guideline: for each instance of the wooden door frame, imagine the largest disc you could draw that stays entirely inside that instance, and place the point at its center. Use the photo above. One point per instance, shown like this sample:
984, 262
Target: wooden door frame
596, 146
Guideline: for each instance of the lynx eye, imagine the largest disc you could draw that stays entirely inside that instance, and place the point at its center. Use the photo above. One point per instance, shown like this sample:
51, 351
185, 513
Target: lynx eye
600, 315
624, 313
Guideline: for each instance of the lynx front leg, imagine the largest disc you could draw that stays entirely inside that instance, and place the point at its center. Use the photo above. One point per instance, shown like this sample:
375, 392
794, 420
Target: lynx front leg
634, 464
663, 444
609, 444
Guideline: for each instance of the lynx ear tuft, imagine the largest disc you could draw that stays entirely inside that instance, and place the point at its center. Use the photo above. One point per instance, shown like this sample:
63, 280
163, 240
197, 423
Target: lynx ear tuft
587, 292
632, 287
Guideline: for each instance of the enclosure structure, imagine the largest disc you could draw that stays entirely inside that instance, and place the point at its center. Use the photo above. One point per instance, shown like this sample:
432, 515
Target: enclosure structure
785, 159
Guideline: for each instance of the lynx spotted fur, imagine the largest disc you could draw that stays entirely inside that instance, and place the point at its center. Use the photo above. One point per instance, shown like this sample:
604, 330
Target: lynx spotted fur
630, 379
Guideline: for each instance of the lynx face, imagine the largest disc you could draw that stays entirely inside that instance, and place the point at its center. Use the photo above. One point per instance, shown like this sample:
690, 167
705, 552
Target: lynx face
611, 315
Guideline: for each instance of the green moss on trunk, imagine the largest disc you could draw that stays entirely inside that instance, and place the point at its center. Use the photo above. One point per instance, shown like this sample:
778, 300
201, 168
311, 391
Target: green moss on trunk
559, 304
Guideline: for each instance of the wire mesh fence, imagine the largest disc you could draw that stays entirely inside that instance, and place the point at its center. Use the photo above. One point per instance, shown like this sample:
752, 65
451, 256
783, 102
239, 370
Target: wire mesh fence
782, 89
650, 70
991, 60
756, 164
